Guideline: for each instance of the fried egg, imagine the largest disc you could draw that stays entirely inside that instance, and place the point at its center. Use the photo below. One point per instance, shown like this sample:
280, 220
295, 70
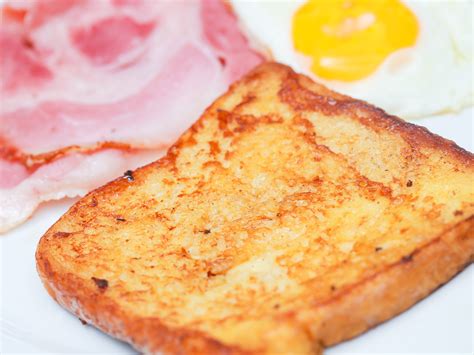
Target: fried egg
412, 58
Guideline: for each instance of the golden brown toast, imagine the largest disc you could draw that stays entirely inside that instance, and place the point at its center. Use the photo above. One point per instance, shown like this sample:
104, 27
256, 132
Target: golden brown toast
287, 219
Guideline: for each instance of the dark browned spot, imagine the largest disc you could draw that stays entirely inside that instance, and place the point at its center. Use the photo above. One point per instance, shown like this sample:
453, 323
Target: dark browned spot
377, 249
128, 175
458, 213
246, 100
206, 231
276, 306
161, 216
191, 141
215, 148
93, 202
333, 288
120, 219
407, 258
61, 234
102, 284
218, 266
300, 98
167, 182
83, 321
212, 164
409, 183
224, 119
184, 252
228, 133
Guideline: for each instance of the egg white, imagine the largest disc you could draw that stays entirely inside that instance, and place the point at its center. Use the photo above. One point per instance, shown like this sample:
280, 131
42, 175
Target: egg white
434, 76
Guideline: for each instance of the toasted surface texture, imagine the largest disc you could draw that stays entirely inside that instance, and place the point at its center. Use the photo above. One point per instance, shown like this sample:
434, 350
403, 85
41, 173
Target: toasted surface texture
288, 218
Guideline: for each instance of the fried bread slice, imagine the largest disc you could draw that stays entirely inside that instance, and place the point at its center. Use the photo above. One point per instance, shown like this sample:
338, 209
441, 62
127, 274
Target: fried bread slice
286, 219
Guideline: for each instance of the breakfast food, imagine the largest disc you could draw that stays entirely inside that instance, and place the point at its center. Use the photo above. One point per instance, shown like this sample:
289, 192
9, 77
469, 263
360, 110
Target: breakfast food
412, 58
287, 218
84, 81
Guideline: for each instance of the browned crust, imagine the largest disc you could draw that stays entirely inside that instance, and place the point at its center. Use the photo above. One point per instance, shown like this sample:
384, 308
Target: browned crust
297, 93
351, 311
391, 291
94, 307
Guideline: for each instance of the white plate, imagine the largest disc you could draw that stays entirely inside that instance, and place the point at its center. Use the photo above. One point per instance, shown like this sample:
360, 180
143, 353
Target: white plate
32, 322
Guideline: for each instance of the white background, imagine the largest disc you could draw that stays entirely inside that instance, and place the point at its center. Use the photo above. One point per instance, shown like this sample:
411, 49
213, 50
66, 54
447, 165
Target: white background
31, 322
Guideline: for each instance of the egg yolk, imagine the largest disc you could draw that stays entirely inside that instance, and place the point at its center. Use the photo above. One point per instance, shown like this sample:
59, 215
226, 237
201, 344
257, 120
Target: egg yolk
348, 39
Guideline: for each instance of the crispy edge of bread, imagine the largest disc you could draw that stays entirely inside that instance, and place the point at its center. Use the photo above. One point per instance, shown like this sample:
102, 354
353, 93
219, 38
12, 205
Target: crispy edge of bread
351, 312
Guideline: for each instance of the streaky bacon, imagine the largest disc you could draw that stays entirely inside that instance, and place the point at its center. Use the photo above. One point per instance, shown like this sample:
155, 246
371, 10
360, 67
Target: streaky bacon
152, 118
91, 87
20, 64
100, 43
219, 26
70, 176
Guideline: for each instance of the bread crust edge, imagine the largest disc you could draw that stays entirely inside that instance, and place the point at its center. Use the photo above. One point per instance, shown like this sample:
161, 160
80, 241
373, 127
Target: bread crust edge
398, 287
350, 313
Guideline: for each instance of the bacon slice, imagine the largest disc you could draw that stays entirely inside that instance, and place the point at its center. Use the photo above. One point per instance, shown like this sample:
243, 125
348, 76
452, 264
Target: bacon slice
20, 65
100, 42
74, 175
223, 34
152, 118
86, 83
